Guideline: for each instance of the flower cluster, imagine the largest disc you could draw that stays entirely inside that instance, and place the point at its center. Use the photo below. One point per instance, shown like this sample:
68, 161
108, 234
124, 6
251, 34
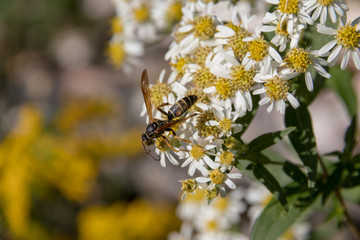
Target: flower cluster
226, 65
137, 23
222, 218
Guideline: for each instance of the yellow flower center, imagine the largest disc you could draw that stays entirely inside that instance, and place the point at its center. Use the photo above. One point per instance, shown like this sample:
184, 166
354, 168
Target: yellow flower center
227, 158
203, 78
325, 3
348, 37
225, 124
236, 42
158, 92
211, 194
242, 80
189, 185
201, 54
174, 13
217, 177
142, 13
204, 129
204, 28
116, 25
223, 88
297, 59
281, 28
258, 49
179, 65
116, 53
211, 225
197, 152
222, 204
289, 6
276, 88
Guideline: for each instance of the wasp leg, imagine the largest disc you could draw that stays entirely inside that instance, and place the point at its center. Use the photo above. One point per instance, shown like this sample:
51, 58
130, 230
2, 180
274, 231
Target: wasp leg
161, 110
172, 148
175, 136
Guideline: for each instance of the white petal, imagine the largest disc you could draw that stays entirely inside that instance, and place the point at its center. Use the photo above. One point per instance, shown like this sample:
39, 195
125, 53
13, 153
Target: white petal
230, 184
202, 179
323, 16
264, 101
327, 47
209, 162
224, 31
345, 60
325, 30
334, 54
292, 100
275, 55
322, 71
185, 28
270, 107
356, 59
211, 89
309, 81
332, 14
259, 91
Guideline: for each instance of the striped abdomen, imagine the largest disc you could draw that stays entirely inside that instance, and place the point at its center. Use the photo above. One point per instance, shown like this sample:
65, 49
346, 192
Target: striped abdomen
181, 106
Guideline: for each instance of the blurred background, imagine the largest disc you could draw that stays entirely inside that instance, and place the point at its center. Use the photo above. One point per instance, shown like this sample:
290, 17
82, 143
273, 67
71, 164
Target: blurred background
71, 161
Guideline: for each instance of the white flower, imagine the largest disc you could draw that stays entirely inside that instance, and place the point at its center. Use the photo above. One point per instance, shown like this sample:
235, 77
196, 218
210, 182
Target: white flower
320, 9
165, 152
293, 13
199, 154
218, 178
299, 60
276, 90
226, 123
260, 52
345, 37
274, 23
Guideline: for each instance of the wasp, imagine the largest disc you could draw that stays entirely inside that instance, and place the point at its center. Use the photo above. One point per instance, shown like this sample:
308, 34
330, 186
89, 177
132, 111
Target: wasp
157, 127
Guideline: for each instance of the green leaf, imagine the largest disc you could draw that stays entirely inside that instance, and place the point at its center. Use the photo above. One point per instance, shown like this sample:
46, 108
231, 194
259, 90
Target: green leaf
303, 140
275, 220
350, 140
270, 182
332, 182
341, 83
295, 173
266, 140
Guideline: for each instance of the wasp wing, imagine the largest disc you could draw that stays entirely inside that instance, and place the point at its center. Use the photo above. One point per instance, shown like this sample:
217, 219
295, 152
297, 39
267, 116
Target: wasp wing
171, 123
146, 93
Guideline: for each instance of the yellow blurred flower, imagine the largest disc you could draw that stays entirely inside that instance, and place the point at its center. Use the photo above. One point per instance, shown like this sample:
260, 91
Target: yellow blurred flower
126, 221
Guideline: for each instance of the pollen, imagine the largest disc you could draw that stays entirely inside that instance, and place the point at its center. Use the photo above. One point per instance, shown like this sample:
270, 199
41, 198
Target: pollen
173, 14
203, 78
224, 88
242, 80
297, 59
210, 194
236, 42
204, 129
158, 92
227, 158
204, 28
197, 152
201, 54
348, 37
288, 6
141, 13
325, 3
276, 88
217, 177
225, 124
116, 53
179, 65
258, 49
116, 25
189, 185
281, 28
